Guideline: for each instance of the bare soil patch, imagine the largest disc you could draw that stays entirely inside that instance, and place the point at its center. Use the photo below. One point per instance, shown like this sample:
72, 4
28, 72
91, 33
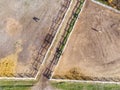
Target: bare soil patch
17, 24
94, 46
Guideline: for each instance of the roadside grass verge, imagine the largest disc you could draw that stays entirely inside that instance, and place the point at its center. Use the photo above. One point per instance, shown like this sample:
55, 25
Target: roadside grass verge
84, 86
15, 88
16, 84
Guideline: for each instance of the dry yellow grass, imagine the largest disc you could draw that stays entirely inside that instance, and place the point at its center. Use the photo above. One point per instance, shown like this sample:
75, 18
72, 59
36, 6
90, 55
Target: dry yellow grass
110, 1
8, 63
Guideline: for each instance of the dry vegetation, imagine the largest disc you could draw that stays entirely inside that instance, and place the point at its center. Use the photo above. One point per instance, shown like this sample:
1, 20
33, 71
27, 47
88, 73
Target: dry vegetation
114, 3
8, 63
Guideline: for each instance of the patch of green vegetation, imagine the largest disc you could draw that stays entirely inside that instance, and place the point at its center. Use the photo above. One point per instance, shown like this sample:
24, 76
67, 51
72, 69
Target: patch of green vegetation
15, 88
72, 23
84, 86
16, 84
103, 1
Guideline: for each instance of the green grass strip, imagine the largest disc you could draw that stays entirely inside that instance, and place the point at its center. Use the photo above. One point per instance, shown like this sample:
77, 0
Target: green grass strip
72, 23
84, 86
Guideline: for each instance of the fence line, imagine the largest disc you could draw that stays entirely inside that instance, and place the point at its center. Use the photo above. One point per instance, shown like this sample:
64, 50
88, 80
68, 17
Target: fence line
48, 72
47, 41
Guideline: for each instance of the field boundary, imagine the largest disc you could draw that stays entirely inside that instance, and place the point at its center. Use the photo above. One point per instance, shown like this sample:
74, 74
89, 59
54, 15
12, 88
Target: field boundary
64, 39
84, 81
55, 37
70, 34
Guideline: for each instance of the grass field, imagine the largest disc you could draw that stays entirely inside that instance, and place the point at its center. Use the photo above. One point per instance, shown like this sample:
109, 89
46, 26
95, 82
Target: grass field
16, 85
15, 88
84, 86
